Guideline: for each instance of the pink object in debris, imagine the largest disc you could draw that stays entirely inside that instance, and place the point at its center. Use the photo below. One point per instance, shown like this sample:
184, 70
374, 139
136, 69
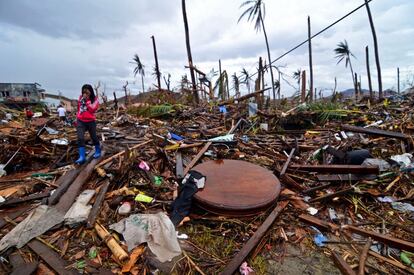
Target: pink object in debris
245, 269
144, 166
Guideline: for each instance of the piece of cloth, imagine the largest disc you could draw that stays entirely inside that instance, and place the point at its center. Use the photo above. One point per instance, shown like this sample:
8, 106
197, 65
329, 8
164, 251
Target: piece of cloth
154, 229
35, 224
182, 205
82, 127
87, 109
61, 111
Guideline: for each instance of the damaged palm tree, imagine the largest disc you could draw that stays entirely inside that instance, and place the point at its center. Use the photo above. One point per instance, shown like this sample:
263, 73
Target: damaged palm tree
139, 69
343, 52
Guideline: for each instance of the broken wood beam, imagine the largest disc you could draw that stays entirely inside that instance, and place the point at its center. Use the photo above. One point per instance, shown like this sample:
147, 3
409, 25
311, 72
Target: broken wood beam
374, 131
97, 205
343, 266
51, 258
321, 224
337, 169
13, 215
197, 157
64, 182
391, 261
242, 98
31, 197
254, 240
388, 240
333, 195
74, 189
285, 166
344, 177
20, 266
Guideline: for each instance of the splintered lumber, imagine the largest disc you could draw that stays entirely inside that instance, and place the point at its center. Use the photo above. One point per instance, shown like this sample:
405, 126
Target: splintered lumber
363, 257
254, 240
50, 257
97, 205
337, 169
121, 153
341, 264
13, 215
74, 189
135, 254
116, 249
344, 177
64, 182
391, 241
197, 157
324, 225
333, 195
179, 170
390, 261
373, 131
285, 166
31, 197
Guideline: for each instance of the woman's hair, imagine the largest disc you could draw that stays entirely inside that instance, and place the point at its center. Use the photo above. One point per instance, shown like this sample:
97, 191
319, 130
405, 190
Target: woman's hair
90, 89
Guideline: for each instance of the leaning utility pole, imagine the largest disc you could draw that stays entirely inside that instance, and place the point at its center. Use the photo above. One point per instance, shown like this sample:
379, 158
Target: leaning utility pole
157, 69
190, 58
310, 62
374, 36
371, 93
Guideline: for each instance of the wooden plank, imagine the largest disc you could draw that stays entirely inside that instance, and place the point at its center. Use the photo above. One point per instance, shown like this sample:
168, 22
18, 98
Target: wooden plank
337, 169
31, 197
344, 178
323, 225
97, 205
50, 257
254, 240
285, 166
20, 266
388, 240
121, 153
374, 131
341, 264
197, 157
179, 167
64, 182
74, 189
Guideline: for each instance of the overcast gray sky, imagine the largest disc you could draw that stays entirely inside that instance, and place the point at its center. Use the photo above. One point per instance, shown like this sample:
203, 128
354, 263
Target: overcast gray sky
63, 44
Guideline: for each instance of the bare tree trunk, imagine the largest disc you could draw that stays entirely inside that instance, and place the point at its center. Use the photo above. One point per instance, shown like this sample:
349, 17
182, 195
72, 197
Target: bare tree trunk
377, 61
270, 60
190, 58
280, 85
371, 94
310, 62
303, 94
126, 93
142, 81
157, 69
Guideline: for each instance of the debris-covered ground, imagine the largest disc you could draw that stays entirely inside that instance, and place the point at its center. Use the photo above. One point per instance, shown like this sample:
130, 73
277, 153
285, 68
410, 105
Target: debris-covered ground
345, 204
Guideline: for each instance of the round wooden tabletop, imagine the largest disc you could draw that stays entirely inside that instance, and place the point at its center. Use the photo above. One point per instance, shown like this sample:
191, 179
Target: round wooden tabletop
236, 188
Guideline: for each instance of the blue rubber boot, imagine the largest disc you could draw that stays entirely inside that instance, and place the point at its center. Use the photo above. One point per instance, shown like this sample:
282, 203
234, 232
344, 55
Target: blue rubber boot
97, 152
82, 158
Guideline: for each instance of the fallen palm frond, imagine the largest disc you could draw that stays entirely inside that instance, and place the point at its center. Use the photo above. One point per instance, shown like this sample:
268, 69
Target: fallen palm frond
327, 110
153, 111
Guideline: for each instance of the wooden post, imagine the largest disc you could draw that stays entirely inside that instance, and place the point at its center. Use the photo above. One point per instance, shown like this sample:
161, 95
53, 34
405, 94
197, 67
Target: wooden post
310, 62
398, 79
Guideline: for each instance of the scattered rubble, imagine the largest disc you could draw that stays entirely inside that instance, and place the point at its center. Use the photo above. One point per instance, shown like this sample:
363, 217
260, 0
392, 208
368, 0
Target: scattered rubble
346, 174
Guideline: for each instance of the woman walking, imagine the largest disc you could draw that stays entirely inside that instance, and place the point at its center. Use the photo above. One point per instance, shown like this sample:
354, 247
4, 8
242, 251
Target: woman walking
88, 104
